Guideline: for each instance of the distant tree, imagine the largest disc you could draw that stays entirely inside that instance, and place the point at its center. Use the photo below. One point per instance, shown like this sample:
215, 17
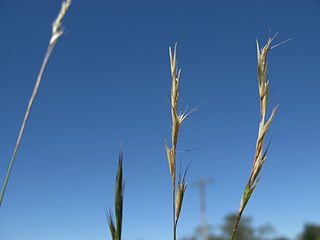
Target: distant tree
245, 230
197, 235
310, 232
265, 232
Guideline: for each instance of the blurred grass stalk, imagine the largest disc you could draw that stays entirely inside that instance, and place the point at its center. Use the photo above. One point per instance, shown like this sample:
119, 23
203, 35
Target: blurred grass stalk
179, 189
57, 31
116, 228
260, 154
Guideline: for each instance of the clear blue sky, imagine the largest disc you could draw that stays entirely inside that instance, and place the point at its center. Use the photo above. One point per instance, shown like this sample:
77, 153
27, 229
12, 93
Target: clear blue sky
108, 82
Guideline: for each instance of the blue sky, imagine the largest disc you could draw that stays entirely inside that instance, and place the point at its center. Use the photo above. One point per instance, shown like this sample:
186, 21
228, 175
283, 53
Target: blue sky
108, 82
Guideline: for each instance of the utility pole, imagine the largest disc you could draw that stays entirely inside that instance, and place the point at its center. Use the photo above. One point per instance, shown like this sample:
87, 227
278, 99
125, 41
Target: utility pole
201, 183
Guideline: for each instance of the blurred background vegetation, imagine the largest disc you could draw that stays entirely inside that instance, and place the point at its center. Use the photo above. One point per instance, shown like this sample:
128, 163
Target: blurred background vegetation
247, 231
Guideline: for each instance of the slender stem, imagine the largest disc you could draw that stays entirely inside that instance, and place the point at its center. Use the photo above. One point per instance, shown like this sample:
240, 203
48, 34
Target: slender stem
174, 208
236, 224
34, 93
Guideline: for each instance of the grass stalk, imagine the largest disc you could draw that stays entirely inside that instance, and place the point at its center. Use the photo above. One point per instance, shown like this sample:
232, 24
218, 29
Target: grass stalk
116, 228
57, 31
260, 153
177, 119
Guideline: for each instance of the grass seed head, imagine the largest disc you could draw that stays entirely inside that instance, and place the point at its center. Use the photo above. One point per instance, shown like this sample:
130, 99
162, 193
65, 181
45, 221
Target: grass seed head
177, 118
260, 154
57, 30
263, 84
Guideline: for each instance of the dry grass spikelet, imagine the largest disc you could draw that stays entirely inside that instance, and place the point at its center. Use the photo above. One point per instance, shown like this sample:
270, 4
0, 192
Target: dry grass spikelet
182, 187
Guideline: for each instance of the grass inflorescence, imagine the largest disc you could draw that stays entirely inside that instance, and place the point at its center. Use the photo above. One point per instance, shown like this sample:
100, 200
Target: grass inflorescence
261, 151
177, 117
